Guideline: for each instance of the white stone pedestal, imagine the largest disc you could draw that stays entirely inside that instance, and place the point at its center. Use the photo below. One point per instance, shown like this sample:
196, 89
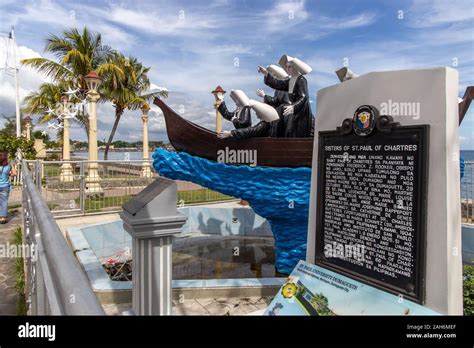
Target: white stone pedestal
435, 93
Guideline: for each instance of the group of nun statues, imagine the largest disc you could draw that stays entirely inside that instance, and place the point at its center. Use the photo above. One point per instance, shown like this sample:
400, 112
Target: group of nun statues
285, 114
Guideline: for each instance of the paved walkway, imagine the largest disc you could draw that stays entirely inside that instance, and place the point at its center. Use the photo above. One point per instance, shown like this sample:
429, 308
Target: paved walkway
210, 306
8, 293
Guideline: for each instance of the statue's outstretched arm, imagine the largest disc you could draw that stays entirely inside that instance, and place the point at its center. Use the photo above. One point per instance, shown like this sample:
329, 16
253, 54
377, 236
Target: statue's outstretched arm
281, 85
225, 112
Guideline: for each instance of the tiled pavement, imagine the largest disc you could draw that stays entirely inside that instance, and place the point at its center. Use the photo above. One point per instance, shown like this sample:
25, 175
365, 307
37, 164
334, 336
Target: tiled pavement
211, 306
8, 294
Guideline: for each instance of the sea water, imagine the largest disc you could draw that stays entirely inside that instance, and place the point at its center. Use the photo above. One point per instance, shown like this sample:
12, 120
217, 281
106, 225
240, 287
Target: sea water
113, 155
467, 189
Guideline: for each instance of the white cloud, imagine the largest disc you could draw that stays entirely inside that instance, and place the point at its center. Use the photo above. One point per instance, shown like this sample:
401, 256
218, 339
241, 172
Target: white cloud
29, 79
162, 21
338, 23
44, 11
54, 14
114, 36
429, 13
452, 35
285, 15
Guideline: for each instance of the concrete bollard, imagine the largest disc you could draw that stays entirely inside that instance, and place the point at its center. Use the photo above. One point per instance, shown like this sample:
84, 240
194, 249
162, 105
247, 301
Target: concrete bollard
152, 219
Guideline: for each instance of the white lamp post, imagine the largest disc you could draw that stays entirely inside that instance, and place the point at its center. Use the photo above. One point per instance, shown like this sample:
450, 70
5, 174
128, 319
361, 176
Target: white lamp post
146, 171
27, 121
92, 179
66, 174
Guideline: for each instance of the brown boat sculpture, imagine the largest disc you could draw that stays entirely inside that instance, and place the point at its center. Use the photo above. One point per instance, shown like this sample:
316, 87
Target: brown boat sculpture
198, 141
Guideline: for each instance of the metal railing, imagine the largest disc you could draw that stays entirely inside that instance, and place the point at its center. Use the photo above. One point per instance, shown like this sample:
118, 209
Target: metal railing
64, 186
55, 282
467, 193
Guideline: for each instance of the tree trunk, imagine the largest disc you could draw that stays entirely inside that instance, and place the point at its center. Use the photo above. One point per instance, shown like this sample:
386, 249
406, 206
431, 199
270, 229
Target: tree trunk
85, 120
118, 115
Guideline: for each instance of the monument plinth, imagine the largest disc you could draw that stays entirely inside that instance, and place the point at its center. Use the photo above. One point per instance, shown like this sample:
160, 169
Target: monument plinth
427, 265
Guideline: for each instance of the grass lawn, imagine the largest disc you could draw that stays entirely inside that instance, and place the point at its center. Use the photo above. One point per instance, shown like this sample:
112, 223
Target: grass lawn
95, 204
53, 170
201, 195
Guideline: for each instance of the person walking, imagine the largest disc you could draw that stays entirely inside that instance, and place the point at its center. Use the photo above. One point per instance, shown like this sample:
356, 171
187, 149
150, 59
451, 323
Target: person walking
6, 170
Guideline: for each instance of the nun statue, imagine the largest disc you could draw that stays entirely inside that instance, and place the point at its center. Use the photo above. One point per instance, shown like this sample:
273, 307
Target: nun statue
296, 114
240, 117
267, 127
279, 97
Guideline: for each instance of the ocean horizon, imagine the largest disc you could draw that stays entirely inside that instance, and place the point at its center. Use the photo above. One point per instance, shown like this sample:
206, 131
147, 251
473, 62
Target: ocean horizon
113, 155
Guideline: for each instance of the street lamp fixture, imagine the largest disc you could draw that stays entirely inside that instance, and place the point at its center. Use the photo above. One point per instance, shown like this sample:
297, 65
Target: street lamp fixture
219, 96
93, 81
27, 120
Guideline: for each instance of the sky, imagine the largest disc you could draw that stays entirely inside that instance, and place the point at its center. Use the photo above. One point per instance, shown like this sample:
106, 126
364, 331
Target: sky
193, 46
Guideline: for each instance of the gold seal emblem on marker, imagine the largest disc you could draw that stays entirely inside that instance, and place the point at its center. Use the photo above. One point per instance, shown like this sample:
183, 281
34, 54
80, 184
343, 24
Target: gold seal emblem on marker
289, 290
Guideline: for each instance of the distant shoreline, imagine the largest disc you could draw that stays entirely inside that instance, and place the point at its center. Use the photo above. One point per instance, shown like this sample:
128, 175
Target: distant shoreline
115, 150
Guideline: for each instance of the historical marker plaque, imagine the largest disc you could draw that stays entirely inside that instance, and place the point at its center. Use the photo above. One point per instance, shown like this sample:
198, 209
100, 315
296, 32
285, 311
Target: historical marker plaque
371, 205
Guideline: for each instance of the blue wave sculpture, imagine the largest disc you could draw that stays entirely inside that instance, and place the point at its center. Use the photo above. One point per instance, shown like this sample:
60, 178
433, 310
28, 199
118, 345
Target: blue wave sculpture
281, 195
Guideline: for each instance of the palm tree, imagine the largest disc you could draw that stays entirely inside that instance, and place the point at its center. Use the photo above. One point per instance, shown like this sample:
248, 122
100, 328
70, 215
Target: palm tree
130, 91
39, 102
77, 54
42, 102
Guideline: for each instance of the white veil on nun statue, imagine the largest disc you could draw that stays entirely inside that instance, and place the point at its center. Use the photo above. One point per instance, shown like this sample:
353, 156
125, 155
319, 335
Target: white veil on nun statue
296, 115
268, 116
240, 117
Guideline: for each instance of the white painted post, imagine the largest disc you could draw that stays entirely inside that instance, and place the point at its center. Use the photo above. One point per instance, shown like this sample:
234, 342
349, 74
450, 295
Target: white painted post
66, 174
93, 179
146, 171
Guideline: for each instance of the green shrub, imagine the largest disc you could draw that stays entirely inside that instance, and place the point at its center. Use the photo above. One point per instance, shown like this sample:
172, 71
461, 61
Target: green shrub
468, 290
21, 308
11, 144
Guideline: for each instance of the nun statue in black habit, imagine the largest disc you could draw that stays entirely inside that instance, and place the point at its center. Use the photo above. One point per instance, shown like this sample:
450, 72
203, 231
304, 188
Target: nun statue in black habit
279, 97
296, 114
267, 127
240, 117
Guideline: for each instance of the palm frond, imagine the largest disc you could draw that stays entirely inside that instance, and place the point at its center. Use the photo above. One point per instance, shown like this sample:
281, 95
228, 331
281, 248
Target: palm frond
49, 68
76, 58
152, 95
